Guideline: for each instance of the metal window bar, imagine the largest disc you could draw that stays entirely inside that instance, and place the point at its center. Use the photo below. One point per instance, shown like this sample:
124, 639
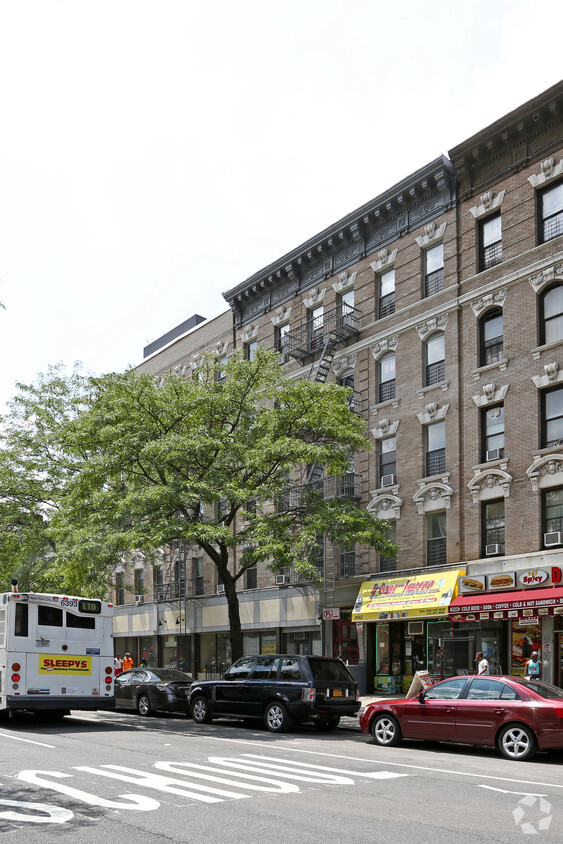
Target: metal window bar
434, 282
355, 402
388, 564
436, 551
553, 227
554, 523
387, 390
494, 536
386, 305
494, 350
342, 322
435, 372
436, 462
492, 255
347, 564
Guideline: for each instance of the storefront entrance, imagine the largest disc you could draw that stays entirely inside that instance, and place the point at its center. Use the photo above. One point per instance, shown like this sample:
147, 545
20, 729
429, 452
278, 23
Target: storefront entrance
558, 661
345, 641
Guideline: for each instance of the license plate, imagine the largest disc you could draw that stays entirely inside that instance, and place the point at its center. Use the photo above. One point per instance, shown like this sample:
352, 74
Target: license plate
337, 692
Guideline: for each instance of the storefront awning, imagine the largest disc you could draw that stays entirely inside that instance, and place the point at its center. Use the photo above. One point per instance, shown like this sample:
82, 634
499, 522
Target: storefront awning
523, 604
417, 596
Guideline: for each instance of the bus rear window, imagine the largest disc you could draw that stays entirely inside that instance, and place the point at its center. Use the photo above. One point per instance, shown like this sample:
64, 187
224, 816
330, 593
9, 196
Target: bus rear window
49, 616
22, 617
85, 622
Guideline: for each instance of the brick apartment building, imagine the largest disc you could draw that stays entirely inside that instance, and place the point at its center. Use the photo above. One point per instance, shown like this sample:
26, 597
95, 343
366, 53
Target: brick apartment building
440, 303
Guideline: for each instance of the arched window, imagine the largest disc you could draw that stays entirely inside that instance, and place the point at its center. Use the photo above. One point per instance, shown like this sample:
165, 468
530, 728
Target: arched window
435, 359
551, 326
491, 337
387, 377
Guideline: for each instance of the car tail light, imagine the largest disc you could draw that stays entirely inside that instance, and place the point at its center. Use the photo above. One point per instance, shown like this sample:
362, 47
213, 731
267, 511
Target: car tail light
309, 693
162, 686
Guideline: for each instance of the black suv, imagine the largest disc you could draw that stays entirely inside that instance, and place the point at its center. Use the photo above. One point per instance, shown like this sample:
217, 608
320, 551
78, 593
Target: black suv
281, 689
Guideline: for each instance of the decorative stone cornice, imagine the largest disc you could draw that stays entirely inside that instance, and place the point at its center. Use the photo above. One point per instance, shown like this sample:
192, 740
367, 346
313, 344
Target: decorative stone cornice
546, 471
496, 298
553, 375
388, 344
433, 235
433, 496
314, 298
489, 484
344, 363
345, 281
196, 362
424, 329
546, 276
385, 429
385, 506
385, 260
549, 170
222, 348
488, 202
281, 316
491, 395
432, 413
249, 334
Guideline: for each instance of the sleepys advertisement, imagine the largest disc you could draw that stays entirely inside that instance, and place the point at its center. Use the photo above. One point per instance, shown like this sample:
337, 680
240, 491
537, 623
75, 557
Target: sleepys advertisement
57, 664
406, 597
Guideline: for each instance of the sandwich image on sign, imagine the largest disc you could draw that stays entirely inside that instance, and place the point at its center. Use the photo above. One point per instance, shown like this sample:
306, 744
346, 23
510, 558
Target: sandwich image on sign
469, 583
501, 581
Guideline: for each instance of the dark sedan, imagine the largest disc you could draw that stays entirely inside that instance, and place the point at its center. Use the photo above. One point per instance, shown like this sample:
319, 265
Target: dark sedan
150, 689
513, 714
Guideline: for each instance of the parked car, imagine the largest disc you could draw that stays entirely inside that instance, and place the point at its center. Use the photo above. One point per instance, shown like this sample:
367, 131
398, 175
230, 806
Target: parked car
280, 689
151, 689
513, 714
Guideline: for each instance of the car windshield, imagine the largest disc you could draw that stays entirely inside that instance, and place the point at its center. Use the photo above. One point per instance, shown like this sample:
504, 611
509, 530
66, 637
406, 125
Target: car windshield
330, 670
542, 689
169, 675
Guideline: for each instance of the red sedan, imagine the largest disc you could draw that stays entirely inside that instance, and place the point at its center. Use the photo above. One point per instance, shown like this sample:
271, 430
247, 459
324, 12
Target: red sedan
516, 715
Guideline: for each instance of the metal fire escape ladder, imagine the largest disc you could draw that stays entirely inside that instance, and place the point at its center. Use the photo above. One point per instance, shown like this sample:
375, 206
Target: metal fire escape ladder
321, 366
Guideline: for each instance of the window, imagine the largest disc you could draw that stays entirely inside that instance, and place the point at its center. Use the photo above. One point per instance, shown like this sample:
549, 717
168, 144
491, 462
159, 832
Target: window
435, 448
493, 527
315, 326
387, 461
139, 581
551, 310
484, 689
490, 242
21, 627
266, 668
387, 377
491, 339
120, 589
553, 510
552, 418
290, 669
389, 563
436, 538
550, 210
434, 270
282, 341
220, 374
251, 577
386, 294
449, 690
354, 399
346, 562
84, 622
493, 432
250, 349
345, 305
197, 570
50, 616
435, 365
241, 669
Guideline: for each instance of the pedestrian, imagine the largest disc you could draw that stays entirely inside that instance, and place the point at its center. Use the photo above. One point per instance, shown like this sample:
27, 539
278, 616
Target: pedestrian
128, 662
117, 665
533, 667
483, 663
144, 663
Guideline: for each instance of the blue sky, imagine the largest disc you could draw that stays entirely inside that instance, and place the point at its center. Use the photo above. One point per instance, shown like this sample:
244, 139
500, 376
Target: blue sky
154, 155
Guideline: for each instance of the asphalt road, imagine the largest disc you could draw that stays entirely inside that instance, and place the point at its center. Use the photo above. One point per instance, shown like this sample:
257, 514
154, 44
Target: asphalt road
122, 778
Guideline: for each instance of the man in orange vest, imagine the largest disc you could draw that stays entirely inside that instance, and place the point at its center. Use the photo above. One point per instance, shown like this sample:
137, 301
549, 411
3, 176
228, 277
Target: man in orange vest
128, 662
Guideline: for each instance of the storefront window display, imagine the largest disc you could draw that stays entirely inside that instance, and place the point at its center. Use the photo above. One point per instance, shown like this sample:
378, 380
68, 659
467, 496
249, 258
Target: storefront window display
452, 649
176, 653
259, 643
305, 642
148, 650
214, 654
525, 639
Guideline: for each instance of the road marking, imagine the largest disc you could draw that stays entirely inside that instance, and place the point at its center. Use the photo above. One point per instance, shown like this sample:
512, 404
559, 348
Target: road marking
54, 813
28, 741
504, 791
386, 763
140, 804
378, 775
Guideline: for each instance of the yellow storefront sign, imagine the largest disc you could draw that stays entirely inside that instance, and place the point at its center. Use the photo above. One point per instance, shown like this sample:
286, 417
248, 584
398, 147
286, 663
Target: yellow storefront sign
57, 664
419, 595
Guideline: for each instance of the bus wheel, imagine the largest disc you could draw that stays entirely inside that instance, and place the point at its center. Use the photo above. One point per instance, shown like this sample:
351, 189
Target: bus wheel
144, 705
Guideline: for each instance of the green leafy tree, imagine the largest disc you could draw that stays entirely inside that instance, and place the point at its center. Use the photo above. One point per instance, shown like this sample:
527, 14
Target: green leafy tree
156, 460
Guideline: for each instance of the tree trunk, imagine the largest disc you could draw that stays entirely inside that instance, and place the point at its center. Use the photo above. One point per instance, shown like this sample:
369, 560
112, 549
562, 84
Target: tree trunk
234, 618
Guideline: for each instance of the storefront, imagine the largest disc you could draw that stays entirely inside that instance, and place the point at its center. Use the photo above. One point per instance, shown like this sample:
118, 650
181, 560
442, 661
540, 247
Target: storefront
406, 624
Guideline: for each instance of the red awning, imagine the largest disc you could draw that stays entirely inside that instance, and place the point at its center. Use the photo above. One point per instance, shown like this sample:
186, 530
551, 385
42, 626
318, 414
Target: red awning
511, 604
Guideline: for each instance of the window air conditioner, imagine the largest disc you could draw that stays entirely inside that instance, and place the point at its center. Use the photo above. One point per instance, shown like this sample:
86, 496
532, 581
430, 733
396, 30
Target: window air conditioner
415, 628
494, 454
220, 588
387, 480
493, 549
282, 579
553, 538
139, 599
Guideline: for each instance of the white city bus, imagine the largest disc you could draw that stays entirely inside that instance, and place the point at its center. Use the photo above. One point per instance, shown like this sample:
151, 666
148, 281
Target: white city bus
56, 653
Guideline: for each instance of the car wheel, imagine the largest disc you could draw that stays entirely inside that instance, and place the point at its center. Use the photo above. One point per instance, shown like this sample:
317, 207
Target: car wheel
517, 742
276, 718
144, 705
326, 724
385, 730
200, 711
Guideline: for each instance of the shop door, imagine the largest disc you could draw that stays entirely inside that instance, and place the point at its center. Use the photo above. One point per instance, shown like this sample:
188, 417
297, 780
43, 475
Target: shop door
457, 656
558, 660
345, 641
